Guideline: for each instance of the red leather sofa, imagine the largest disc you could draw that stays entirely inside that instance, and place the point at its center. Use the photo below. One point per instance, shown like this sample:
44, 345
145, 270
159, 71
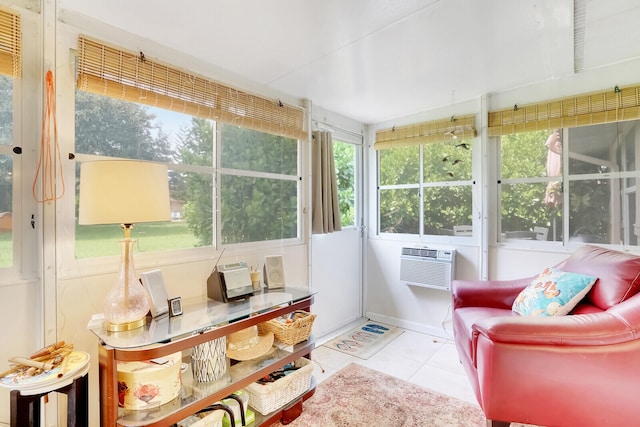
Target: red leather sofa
581, 369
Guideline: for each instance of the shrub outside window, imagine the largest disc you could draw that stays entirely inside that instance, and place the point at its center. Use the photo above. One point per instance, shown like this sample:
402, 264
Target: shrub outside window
600, 204
259, 186
531, 186
258, 178
6, 173
426, 189
344, 154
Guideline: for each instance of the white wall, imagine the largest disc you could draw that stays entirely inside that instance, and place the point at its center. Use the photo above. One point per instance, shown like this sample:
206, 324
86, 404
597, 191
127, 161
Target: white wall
60, 305
64, 293
79, 298
428, 310
420, 309
336, 258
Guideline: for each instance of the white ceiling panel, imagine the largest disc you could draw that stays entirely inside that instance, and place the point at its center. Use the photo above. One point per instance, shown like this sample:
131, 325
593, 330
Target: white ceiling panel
612, 32
376, 60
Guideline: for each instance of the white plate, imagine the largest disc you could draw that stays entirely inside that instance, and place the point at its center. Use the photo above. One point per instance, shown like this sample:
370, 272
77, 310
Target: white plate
48, 379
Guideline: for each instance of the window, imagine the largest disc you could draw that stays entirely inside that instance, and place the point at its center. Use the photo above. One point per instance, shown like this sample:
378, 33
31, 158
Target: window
426, 189
107, 127
6, 172
344, 154
231, 180
258, 180
601, 178
259, 186
594, 199
531, 186
10, 68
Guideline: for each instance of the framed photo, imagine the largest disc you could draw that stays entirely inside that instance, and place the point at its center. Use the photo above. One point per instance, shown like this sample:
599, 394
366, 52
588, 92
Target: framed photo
175, 306
154, 284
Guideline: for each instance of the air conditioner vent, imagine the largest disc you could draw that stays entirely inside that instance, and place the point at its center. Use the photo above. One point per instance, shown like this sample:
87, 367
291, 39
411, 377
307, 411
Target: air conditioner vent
426, 267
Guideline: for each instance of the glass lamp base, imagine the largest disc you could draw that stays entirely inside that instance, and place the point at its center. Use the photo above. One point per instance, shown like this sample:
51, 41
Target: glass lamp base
119, 327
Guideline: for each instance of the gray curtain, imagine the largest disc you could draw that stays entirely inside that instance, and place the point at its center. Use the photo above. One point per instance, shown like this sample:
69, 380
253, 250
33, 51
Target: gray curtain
325, 209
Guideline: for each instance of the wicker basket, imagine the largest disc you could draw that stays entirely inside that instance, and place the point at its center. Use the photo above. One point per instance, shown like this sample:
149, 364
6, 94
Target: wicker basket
290, 333
266, 398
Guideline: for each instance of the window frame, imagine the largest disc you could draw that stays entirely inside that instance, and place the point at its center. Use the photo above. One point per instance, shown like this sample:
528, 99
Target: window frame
562, 179
71, 267
219, 171
27, 109
356, 141
566, 179
420, 187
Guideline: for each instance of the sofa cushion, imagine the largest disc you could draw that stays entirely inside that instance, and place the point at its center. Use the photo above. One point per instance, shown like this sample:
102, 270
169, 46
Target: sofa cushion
553, 293
618, 274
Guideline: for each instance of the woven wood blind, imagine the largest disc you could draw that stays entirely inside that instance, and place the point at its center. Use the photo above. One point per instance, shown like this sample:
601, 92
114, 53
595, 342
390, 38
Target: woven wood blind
121, 74
10, 44
462, 127
613, 105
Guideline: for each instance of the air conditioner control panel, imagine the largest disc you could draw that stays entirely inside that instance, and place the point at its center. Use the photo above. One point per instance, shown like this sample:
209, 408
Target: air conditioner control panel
429, 253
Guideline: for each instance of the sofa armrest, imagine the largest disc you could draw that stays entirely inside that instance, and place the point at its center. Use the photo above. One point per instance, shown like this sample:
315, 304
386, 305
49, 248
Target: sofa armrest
595, 329
487, 293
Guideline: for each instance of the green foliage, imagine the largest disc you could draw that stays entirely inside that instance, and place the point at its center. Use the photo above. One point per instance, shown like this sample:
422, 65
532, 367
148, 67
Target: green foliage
444, 205
258, 208
447, 161
6, 249
524, 155
6, 138
587, 215
110, 127
195, 147
250, 150
399, 211
399, 166
345, 161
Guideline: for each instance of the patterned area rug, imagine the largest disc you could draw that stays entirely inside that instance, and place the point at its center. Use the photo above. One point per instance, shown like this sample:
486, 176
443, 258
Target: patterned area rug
364, 340
358, 396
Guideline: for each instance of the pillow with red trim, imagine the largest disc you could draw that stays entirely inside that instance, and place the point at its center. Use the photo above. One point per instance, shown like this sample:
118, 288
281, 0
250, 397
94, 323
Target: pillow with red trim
553, 293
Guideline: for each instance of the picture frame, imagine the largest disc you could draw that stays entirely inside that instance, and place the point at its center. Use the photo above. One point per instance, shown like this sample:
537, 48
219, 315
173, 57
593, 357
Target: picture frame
175, 306
153, 282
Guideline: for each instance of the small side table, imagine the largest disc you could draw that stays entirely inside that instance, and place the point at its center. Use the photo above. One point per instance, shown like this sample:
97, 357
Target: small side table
25, 404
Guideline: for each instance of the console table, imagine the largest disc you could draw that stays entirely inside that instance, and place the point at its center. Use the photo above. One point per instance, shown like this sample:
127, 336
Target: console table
202, 320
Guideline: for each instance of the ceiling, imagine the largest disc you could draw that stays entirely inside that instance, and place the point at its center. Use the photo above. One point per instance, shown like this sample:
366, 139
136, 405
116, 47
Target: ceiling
377, 60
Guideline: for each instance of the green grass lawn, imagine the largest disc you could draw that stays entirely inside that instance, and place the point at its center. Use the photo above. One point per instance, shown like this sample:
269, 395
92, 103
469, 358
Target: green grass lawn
102, 240
6, 249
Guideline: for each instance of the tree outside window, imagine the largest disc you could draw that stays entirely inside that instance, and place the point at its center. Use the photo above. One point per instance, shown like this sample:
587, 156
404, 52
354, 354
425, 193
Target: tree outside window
6, 172
426, 189
257, 182
600, 204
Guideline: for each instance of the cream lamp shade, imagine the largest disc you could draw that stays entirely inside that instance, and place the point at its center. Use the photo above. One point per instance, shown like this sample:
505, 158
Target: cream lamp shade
123, 192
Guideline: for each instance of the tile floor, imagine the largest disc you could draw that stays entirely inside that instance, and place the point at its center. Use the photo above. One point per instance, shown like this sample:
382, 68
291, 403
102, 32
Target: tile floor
425, 360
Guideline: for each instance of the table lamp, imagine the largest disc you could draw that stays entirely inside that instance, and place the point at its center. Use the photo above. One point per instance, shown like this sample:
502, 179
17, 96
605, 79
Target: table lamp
124, 192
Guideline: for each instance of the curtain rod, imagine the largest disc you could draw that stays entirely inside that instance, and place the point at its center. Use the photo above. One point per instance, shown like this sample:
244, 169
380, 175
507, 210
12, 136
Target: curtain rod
319, 125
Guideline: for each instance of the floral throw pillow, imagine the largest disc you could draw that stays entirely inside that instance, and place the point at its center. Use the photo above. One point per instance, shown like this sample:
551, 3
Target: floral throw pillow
553, 293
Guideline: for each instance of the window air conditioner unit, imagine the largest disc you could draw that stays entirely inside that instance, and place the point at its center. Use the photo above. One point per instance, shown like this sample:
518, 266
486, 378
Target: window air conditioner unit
429, 268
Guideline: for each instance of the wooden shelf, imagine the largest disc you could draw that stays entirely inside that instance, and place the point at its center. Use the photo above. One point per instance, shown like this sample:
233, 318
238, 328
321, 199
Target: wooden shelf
196, 396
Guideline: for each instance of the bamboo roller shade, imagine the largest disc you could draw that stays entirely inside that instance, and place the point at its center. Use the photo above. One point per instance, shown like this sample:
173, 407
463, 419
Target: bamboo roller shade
110, 71
462, 127
613, 105
10, 44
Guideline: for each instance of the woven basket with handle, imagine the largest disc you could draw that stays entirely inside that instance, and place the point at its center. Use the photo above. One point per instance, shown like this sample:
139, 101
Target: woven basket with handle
292, 332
